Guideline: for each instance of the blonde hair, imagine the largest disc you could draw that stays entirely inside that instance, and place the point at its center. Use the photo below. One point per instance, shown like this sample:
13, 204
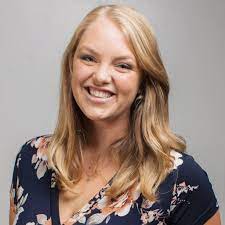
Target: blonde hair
144, 154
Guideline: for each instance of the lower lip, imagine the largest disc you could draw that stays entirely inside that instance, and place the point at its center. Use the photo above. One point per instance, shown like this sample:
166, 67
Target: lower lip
99, 100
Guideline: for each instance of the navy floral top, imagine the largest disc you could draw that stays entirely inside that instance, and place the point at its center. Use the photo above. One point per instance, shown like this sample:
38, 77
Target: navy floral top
186, 196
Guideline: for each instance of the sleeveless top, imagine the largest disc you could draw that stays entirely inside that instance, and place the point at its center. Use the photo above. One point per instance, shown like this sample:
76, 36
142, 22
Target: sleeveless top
186, 196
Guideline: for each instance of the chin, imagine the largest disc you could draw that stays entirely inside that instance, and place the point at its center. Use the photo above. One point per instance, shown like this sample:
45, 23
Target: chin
99, 116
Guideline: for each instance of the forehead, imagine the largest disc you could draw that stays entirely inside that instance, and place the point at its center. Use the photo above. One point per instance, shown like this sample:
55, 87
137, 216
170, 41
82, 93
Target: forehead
105, 37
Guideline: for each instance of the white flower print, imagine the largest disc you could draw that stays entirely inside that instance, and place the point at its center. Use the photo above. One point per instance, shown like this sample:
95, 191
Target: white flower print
17, 193
21, 199
177, 158
96, 219
120, 207
107, 219
41, 219
177, 191
150, 216
182, 187
40, 159
80, 217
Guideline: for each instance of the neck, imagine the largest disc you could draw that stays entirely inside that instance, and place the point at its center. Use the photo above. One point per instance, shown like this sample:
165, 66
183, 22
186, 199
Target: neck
103, 134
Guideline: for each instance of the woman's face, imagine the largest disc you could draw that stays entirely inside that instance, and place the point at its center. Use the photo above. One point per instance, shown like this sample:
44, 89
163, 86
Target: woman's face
105, 77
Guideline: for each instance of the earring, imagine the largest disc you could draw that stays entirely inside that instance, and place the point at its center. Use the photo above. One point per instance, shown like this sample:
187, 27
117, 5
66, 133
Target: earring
138, 99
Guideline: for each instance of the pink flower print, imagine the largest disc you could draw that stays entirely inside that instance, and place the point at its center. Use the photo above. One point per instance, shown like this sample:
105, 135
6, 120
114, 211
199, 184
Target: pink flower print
40, 159
42, 219
41, 142
178, 190
122, 205
21, 199
152, 215
182, 187
80, 217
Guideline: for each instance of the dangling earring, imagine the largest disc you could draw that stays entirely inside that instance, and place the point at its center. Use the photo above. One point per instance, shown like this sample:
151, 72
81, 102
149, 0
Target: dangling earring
138, 99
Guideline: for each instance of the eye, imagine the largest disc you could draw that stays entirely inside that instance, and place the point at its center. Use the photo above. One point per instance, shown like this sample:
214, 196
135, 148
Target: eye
87, 58
125, 66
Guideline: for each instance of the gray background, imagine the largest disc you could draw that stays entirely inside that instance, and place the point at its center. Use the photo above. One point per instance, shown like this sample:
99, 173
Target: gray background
191, 36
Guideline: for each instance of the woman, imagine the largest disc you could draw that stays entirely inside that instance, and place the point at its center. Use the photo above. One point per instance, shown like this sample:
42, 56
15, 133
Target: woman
112, 157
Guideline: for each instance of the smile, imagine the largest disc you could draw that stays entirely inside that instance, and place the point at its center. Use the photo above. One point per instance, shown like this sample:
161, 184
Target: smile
99, 96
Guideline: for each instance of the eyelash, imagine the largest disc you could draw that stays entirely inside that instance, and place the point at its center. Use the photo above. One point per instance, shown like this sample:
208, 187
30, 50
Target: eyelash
127, 66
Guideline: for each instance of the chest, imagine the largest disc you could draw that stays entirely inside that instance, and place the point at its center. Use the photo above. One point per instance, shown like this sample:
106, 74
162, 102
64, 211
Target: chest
93, 210
131, 208
70, 204
87, 190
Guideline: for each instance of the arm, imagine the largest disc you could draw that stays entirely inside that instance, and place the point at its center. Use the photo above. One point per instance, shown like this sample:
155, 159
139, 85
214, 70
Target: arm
214, 220
14, 190
12, 214
12, 198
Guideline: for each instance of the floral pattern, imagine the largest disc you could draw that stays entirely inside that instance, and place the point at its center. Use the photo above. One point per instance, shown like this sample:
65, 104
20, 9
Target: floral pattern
130, 206
41, 219
40, 158
177, 191
177, 159
17, 193
120, 207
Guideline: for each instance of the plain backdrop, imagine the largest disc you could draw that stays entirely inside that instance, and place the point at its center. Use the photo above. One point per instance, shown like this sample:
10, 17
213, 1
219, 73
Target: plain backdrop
191, 37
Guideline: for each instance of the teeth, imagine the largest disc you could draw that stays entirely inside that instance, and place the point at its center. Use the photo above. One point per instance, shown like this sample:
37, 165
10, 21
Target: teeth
100, 94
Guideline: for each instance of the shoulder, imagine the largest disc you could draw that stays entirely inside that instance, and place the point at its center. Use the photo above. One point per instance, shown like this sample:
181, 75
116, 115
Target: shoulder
191, 176
188, 169
35, 144
33, 154
30, 174
193, 197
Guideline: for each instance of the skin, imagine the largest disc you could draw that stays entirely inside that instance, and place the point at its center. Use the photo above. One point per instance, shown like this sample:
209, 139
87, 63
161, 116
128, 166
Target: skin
102, 69
214, 220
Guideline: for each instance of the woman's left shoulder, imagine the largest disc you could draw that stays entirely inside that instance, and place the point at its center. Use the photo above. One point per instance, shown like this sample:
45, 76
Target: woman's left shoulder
193, 197
39, 142
189, 169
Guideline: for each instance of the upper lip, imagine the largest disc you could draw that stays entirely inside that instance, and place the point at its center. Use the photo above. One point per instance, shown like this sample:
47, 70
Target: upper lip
100, 89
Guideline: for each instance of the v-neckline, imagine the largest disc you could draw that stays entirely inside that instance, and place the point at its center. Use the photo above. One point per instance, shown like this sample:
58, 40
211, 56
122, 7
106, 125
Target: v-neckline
55, 201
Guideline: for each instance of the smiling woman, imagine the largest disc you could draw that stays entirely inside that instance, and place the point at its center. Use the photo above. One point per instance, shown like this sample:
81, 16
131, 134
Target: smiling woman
105, 78
112, 157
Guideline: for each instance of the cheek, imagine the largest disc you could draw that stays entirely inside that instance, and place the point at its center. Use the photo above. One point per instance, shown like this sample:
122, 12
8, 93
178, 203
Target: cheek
78, 79
128, 86
80, 72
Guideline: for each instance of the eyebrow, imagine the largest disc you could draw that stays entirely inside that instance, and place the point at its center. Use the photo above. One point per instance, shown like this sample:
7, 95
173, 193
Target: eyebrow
96, 53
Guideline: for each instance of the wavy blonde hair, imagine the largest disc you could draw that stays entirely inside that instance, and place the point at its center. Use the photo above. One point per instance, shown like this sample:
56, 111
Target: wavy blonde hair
144, 153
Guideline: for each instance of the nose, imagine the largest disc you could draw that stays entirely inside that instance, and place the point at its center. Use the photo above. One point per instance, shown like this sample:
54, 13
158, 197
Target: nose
102, 75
